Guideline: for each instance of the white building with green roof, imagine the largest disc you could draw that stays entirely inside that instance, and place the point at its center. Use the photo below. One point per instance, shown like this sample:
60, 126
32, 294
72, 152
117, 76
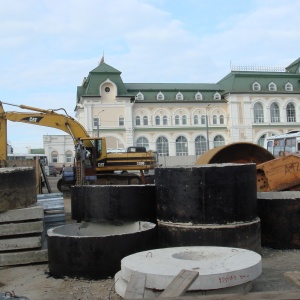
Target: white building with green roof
182, 120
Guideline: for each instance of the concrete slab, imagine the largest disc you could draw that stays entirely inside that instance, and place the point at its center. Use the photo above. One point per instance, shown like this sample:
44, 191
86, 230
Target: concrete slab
22, 214
20, 243
23, 258
21, 228
218, 267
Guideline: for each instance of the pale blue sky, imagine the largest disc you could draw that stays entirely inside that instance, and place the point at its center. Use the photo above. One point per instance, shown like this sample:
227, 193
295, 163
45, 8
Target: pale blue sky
48, 46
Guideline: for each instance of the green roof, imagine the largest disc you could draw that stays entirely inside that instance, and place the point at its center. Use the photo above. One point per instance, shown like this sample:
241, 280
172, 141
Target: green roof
234, 82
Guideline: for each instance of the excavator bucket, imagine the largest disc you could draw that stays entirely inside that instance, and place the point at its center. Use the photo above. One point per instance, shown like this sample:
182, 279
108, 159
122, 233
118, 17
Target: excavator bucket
236, 153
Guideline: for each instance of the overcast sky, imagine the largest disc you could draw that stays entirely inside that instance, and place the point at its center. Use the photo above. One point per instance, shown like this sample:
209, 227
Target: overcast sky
48, 46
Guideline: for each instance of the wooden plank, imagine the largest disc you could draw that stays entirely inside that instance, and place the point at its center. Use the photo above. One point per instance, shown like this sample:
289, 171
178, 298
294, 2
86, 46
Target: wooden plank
275, 295
180, 284
136, 286
293, 277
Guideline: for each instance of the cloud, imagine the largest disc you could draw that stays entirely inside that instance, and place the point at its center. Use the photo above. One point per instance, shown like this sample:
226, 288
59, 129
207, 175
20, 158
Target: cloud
48, 46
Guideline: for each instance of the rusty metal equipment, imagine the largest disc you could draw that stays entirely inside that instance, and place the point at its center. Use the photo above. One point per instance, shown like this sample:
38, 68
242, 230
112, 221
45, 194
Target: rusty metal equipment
273, 174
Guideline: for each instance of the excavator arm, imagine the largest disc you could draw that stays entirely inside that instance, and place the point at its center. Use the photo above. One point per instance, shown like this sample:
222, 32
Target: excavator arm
41, 117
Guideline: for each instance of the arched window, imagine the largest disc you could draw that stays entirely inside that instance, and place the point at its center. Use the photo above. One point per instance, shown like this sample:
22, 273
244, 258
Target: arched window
219, 141
214, 119
272, 87
179, 96
181, 146
145, 120
165, 120
68, 158
162, 146
177, 120
217, 96
203, 120
221, 119
160, 96
256, 86
275, 114
198, 96
157, 120
184, 120
142, 142
289, 87
196, 120
139, 96
54, 156
137, 121
258, 113
121, 121
200, 145
290, 113
261, 140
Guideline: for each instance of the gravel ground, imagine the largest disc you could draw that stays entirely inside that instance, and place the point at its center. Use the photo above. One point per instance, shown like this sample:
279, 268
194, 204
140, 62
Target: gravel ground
34, 282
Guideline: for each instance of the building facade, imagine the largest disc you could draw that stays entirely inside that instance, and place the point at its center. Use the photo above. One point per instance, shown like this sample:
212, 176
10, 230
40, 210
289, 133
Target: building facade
181, 121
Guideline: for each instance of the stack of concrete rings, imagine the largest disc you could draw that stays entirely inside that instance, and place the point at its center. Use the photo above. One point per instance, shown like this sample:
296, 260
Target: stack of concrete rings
208, 205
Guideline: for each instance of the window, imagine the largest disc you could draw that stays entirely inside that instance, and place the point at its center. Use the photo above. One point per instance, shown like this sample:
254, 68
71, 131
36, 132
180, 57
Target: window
177, 120
107, 89
179, 96
203, 120
217, 96
289, 87
196, 120
275, 114
142, 142
261, 140
137, 121
139, 96
221, 119
272, 87
290, 113
165, 120
200, 145
145, 120
160, 96
219, 141
198, 96
157, 120
121, 121
214, 119
68, 157
54, 157
256, 86
258, 112
181, 146
162, 146
184, 120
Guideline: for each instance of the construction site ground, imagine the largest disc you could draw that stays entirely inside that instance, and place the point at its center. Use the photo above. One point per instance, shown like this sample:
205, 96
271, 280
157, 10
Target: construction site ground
35, 282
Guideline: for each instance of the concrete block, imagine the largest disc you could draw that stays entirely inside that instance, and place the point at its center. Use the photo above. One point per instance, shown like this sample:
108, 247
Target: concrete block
11, 244
23, 258
21, 228
22, 214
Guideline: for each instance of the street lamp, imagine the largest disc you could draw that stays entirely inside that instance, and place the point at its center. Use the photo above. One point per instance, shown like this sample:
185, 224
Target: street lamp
97, 121
206, 122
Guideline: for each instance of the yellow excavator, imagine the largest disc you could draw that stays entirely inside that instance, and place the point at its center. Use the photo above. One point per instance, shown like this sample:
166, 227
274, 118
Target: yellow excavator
94, 164
273, 173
